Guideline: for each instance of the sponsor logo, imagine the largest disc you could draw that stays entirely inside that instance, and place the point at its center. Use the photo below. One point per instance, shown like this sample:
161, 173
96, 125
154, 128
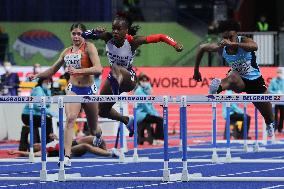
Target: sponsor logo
222, 98
118, 98
16, 99
262, 98
226, 98
210, 97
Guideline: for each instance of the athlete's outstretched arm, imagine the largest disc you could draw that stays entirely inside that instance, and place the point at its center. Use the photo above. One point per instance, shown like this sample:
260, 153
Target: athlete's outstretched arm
94, 57
24, 153
98, 33
247, 44
155, 38
208, 47
52, 70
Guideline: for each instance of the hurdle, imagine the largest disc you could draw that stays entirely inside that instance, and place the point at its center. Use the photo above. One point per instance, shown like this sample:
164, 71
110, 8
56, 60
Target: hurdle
31, 100
245, 142
163, 100
203, 99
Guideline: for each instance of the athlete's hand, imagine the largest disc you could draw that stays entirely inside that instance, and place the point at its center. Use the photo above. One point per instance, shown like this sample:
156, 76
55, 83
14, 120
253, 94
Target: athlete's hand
93, 33
72, 71
100, 29
225, 42
197, 76
32, 77
11, 152
178, 47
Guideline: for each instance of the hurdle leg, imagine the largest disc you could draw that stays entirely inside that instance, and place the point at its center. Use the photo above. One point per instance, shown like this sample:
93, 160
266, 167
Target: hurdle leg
43, 171
121, 133
228, 130
214, 133
273, 139
135, 154
61, 172
31, 154
180, 134
166, 171
245, 132
256, 145
183, 124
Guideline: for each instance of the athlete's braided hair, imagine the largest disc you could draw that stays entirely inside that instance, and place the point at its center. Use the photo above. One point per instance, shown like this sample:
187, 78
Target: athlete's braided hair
132, 29
229, 25
78, 25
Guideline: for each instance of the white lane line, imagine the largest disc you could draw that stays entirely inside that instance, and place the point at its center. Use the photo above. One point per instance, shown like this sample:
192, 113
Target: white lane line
249, 172
277, 186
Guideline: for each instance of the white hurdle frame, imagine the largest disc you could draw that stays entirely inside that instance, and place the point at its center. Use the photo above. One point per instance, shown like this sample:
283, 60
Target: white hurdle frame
30, 100
194, 99
164, 100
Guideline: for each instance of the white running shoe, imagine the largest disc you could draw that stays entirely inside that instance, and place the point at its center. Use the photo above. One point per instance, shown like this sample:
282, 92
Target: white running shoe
270, 129
115, 152
67, 162
214, 85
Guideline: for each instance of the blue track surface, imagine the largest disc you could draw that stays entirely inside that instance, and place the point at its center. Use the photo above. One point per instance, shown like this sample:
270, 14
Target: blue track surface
154, 170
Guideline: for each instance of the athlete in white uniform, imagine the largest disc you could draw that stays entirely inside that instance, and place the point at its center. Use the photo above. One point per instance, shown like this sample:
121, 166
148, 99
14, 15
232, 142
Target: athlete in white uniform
244, 76
121, 45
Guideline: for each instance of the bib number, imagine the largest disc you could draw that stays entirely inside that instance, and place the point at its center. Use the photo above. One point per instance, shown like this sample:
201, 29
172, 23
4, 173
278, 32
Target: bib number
73, 60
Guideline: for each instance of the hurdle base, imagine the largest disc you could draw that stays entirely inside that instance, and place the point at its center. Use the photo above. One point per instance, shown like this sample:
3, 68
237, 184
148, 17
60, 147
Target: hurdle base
184, 175
43, 175
246, 148
256, 148
122, 157
214, 156
166, 175
135, 157
61, 175
31, 157
228, 157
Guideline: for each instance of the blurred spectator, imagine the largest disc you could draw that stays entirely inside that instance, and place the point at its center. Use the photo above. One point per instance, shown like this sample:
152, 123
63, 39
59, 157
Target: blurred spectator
148, 115
4, 40
66, 75
236, 114
9, 82
36, 70
262, 25
42, 89
276, 86
213, 28
132, 8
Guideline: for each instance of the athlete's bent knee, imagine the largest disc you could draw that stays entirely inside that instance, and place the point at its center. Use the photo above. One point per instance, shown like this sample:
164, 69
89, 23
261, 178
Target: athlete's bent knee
70, 120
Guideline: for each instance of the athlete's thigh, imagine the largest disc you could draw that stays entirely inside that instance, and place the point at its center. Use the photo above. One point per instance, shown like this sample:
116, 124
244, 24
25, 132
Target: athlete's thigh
78, 150
237, 83
91, 110
106, 90
72, 109
129, 80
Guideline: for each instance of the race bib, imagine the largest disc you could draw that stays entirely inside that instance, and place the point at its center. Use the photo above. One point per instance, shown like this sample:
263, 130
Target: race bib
73, 60
243, 68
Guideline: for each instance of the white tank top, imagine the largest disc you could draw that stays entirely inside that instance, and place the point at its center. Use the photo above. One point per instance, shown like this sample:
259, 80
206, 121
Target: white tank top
122, 56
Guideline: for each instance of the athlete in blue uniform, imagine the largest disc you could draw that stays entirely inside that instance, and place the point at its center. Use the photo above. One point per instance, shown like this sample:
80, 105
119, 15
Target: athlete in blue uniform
244, 76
